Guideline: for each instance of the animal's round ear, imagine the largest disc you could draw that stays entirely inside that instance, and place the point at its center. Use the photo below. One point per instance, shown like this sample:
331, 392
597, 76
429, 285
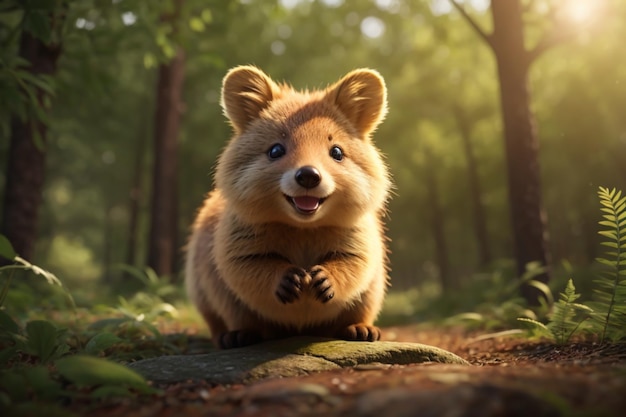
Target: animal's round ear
362, 97
246, 90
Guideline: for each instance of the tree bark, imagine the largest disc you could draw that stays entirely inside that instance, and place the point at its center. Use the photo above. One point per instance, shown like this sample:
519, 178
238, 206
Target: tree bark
27, 160
521, 143
163, 231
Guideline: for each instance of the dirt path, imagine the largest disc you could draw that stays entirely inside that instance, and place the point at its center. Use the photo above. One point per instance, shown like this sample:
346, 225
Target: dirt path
510, 377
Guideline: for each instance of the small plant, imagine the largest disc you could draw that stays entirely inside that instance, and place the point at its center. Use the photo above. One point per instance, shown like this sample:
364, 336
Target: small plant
7, 251
609, 296
151, 283
133, 332
565, 318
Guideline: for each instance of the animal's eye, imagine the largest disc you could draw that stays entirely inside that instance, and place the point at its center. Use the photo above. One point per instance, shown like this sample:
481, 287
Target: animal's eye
336, 153
276, 151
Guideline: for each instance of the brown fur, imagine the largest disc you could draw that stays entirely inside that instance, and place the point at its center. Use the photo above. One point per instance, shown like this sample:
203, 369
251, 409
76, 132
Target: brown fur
257, 267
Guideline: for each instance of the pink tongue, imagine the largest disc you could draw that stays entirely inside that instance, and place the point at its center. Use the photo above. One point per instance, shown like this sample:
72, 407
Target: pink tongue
306, 203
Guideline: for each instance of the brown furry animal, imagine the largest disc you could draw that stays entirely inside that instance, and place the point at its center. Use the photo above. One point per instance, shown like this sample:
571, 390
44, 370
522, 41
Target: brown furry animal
291, 241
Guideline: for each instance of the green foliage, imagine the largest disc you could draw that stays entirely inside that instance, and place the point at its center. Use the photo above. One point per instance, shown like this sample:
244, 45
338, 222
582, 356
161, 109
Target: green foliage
109, 378
607, 310
565, 318
25, 352
28, 384
150, 282
22, 92
6, 249
498, 301
609, 295
41, 340
45, 341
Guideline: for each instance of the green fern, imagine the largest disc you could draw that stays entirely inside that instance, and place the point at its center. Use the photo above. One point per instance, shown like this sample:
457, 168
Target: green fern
609, 296
565, 318
563, 323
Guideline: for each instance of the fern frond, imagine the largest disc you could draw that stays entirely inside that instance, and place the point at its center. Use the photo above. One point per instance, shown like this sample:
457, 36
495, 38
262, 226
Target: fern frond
538, 329
535, 323
562, 324
609, 296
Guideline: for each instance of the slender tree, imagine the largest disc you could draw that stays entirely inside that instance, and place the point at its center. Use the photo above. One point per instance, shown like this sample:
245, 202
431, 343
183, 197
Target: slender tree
520, 135
27, 156
162, 247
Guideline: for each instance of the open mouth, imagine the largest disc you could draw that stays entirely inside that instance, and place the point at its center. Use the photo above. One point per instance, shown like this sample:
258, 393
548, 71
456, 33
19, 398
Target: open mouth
305, 204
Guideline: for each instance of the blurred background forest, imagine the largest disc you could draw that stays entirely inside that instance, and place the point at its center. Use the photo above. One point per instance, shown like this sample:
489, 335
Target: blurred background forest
122, 108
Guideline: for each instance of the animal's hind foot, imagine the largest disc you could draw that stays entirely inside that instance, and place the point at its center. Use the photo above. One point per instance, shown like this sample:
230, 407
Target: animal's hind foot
237, 338
360, 332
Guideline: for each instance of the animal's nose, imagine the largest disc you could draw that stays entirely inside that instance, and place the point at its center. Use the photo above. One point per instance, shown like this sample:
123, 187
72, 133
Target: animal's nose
308, 177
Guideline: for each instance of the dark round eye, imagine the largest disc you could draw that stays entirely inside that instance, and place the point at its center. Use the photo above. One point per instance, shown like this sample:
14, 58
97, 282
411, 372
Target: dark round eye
276, 151
336, 153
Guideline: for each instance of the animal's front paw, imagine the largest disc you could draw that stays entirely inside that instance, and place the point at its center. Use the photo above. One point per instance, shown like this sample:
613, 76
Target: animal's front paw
290, 286
360, 332
321, 285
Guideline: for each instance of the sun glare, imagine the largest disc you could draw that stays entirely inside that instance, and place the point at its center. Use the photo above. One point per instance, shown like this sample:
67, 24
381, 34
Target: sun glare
581, 11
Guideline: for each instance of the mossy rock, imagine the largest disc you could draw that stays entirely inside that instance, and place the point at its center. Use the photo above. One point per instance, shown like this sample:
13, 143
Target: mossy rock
286, 358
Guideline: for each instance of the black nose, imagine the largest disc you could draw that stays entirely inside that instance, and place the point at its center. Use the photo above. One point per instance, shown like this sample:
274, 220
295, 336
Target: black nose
308, 177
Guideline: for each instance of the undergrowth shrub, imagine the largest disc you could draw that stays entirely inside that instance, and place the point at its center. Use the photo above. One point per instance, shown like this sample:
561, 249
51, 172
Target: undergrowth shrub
41, 363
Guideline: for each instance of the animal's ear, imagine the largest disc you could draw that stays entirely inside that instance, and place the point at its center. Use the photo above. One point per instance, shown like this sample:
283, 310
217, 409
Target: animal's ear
246, 91
362, 97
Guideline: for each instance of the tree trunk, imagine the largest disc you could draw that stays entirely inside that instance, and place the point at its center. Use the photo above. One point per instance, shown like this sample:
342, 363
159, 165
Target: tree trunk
521, 143
162, 243
480, 223
27, 160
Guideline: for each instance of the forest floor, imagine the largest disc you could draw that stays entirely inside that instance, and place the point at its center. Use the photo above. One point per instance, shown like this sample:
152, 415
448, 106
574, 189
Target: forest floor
507, 376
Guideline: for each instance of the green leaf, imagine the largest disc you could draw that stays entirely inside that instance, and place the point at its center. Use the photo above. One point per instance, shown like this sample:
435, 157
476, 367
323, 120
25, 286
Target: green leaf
606, 262
42, 339
7, 324
610, 244
535, 323
543, 288
608, 233
101, 341
87, 371
6, 249
41, 382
